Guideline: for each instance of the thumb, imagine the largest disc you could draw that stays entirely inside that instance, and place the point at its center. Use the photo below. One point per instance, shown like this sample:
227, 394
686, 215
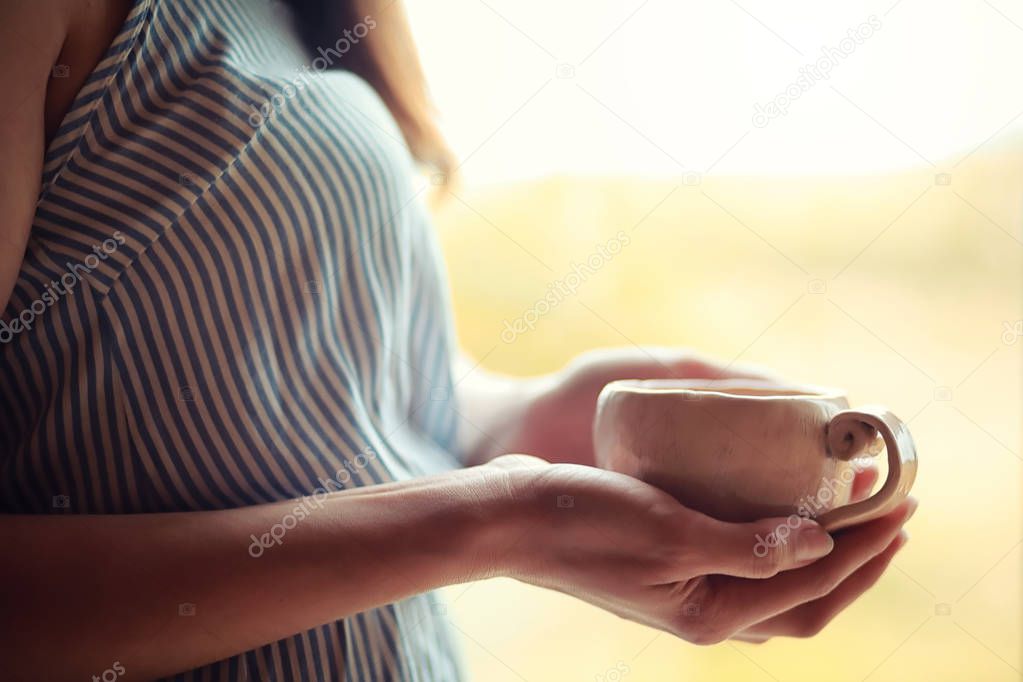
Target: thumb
760, 549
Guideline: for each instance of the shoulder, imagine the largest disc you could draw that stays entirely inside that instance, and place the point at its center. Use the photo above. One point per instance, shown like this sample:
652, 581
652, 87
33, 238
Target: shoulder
32, 34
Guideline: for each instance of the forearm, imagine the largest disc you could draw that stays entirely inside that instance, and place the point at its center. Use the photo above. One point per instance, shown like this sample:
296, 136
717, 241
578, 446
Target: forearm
85, 591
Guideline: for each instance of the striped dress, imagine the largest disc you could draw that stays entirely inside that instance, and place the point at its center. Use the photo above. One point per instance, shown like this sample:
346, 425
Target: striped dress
231, 293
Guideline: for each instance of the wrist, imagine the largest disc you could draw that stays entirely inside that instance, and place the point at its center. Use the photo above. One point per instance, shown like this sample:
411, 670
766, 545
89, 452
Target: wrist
452, 527
512, 515
497, 413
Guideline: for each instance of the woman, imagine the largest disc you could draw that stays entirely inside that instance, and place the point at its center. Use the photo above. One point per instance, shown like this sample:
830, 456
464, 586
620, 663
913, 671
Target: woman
234, 443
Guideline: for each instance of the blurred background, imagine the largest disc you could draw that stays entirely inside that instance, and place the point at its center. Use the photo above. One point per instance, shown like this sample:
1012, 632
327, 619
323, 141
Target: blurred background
831, 189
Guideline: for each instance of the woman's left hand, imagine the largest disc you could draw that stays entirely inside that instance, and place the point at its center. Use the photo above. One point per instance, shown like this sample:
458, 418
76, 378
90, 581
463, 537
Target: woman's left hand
557, 421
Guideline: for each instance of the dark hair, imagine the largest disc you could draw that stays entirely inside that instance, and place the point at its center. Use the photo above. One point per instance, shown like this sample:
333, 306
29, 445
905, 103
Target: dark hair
387, 59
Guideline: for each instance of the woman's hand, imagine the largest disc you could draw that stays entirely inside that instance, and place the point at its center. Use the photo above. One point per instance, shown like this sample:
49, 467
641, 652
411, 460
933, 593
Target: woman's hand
557, 422
631, 549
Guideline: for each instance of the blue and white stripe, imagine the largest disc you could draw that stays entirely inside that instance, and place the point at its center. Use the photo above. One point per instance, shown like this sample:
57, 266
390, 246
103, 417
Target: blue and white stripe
270, 303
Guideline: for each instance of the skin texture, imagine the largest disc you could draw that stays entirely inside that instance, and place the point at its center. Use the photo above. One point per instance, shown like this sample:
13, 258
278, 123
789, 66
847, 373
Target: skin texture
95, 589
37, 36
30, 50
554, 414
633, 550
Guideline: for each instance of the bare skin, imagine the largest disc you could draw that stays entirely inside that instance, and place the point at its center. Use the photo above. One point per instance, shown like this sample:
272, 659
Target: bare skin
91, 590
50, 48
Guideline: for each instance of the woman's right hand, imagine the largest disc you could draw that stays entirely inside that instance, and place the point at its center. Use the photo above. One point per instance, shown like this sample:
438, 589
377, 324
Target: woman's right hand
630, 548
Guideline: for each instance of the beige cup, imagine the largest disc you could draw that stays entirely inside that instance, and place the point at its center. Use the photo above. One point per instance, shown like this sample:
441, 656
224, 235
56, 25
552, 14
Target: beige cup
741, 450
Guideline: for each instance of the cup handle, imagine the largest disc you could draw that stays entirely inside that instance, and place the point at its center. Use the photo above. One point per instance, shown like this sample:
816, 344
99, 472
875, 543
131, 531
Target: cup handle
843, 439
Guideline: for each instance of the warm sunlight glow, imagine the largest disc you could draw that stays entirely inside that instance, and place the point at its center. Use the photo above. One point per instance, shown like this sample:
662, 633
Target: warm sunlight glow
665, 87
869, 237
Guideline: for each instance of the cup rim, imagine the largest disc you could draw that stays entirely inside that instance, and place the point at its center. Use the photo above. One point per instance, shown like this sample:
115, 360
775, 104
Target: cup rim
721, 388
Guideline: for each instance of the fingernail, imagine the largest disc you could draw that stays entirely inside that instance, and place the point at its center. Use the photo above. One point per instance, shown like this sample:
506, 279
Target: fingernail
813, 542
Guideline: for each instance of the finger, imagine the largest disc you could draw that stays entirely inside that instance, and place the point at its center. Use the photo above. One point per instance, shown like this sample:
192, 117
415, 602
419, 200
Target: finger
862, 486
752, 601
760, 549
863, 483
808, 619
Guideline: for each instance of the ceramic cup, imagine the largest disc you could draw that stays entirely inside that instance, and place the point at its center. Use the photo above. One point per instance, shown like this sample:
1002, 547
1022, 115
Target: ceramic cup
741, 450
